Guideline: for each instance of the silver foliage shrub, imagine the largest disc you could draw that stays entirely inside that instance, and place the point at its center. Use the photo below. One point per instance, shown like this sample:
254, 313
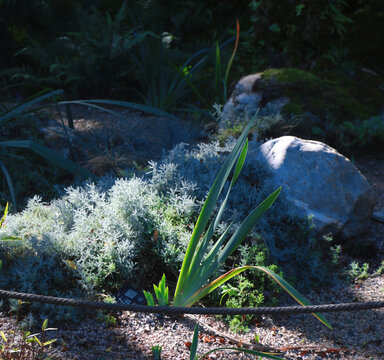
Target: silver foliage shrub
98, 236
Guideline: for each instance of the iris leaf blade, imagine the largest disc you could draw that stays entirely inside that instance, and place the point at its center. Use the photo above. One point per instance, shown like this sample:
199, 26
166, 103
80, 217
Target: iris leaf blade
293, 292
207, 210
245, 351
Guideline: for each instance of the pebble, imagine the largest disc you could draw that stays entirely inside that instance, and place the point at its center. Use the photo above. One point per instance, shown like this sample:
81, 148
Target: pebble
378, 215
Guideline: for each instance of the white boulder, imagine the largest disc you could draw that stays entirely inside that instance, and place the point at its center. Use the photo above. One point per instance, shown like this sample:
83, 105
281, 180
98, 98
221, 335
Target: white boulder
319, 181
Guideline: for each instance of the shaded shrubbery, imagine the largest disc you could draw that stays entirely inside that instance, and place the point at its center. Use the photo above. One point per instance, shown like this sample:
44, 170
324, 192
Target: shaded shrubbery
79, 46
97, 237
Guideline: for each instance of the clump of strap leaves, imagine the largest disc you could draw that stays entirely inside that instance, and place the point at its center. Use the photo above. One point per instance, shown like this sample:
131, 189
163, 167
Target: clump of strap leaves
201, 260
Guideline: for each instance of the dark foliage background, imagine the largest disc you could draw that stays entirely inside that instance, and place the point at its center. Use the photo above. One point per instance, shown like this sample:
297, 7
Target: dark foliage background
173, 56
308, 34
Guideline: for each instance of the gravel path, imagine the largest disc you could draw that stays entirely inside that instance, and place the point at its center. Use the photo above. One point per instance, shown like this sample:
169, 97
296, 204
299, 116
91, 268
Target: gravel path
356, 335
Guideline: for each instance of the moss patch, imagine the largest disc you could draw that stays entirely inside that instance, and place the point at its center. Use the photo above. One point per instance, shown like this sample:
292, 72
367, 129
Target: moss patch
336, 96
328, 97
291, 76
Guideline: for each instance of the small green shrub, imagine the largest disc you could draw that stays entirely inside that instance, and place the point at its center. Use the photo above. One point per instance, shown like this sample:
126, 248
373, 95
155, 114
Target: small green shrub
243, 294
156, 352
364, 134
357, 271
253, 290
380, 269
299, 32
31, 347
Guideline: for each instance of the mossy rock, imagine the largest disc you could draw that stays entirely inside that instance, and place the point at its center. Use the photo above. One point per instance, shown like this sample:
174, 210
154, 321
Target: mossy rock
321, 102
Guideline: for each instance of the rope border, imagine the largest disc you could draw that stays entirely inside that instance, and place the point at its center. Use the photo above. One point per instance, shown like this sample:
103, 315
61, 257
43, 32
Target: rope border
5, 294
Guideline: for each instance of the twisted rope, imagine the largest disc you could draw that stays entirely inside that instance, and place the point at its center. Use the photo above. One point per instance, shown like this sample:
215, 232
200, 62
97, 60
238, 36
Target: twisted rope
192, 310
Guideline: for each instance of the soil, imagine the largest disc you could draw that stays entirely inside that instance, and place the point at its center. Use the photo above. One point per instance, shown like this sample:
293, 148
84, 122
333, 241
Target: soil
356, 335
103, 142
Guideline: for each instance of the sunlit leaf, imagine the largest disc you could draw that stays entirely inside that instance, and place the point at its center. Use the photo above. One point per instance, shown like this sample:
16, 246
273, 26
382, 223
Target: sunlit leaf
293, 292
72, 264
4, 215
3, 336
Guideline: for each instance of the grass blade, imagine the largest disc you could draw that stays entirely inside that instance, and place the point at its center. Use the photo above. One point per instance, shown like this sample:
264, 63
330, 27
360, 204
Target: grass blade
21, 108
149, 298
245, 351
240, 163
10, 238
247, 225
199, 272
127, 104
49, 342
10, 185
4, 216
208, 235
233, 53
204, 291
195, 339
218, 71
293, 292
203, 247
3, 336
279, 280
51, 156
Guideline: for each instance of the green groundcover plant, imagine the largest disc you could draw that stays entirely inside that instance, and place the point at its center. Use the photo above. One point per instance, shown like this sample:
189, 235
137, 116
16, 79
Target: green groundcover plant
30, 347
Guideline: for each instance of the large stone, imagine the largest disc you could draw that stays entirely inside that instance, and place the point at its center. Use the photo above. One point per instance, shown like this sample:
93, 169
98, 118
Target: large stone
291, 101
378, 215
319, 181
245, 102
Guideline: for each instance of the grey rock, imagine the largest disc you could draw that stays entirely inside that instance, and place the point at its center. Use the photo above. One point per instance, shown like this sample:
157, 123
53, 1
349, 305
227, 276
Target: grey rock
244, 102
378, 215
245, 84
319, 181
129, 295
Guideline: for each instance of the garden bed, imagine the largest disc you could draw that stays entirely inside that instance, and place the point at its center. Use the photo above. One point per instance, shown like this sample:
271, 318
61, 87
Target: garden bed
356, 335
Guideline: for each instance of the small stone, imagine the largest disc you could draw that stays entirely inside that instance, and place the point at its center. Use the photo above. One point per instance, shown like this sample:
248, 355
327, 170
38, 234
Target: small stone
378, 215
131, 293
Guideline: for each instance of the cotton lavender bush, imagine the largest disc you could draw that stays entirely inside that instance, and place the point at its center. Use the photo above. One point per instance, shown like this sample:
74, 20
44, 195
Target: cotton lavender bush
99, 236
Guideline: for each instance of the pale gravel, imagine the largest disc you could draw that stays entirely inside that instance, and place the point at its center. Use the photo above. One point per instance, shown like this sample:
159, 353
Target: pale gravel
356, 335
